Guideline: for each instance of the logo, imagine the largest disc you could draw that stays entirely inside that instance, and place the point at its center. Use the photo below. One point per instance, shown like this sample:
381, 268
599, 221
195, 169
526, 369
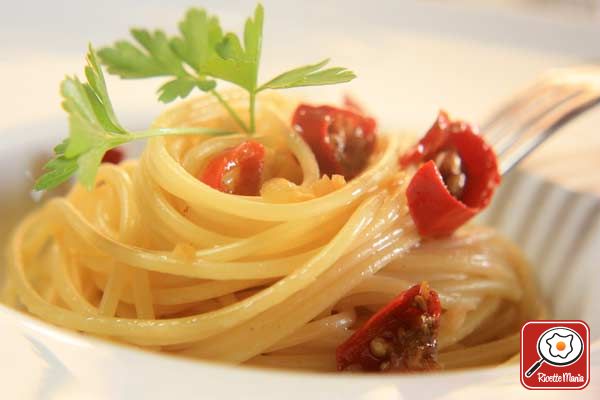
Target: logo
555, 355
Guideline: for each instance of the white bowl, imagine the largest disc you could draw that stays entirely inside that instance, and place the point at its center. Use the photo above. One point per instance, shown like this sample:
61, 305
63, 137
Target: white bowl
559, 230
411, 56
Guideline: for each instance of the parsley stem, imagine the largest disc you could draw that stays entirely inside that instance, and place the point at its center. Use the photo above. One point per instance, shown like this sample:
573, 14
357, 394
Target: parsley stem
252, 108
230, 110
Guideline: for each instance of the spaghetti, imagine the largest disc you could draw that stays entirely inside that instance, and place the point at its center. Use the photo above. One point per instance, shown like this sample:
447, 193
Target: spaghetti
154, 257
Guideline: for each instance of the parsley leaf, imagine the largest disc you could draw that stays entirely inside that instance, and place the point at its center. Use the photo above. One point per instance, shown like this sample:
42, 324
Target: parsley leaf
185, 58
203, 53
93, 130
200, 33
181, 87
59, 169
309, 75
155, 58
237, 64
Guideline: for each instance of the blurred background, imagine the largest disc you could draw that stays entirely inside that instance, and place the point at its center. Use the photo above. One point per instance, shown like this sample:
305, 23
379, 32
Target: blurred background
558, 9
411, 57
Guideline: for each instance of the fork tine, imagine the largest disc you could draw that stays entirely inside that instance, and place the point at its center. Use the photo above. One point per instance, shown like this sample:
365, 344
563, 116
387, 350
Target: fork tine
537, 112
537, 104
527, 118
531, 137
516, 103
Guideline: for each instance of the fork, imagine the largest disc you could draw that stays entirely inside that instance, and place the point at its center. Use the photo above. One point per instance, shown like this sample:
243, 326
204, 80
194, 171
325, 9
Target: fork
536, 113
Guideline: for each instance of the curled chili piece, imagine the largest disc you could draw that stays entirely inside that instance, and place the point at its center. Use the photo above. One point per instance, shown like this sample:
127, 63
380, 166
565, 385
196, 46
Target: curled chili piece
114, 156
341, 140
401, 337
237, 170
456, 181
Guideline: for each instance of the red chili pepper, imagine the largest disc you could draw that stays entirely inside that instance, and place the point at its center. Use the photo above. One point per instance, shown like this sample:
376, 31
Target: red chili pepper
341, 140
237, 170
431, 143
402, 336
434, 209
113, 156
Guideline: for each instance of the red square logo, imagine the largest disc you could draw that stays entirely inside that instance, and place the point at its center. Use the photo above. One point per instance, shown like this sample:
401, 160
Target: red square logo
555, 355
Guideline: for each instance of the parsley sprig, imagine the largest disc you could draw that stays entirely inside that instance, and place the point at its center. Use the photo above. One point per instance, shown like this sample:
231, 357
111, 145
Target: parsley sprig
201, 54
93, 130
197, 58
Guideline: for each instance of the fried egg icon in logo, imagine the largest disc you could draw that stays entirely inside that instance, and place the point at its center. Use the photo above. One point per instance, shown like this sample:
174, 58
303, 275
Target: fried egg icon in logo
560, 346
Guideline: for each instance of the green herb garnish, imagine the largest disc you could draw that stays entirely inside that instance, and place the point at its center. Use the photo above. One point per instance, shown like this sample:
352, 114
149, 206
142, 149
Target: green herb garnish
202, 54
93, 130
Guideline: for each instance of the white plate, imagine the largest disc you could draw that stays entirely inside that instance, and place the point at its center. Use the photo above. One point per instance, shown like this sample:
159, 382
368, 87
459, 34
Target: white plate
410, 57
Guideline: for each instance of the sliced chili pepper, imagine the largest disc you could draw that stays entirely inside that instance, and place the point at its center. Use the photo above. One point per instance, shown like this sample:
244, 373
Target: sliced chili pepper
113, 156
237, 170
402, 336
430, 144
341, 140
443, 196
